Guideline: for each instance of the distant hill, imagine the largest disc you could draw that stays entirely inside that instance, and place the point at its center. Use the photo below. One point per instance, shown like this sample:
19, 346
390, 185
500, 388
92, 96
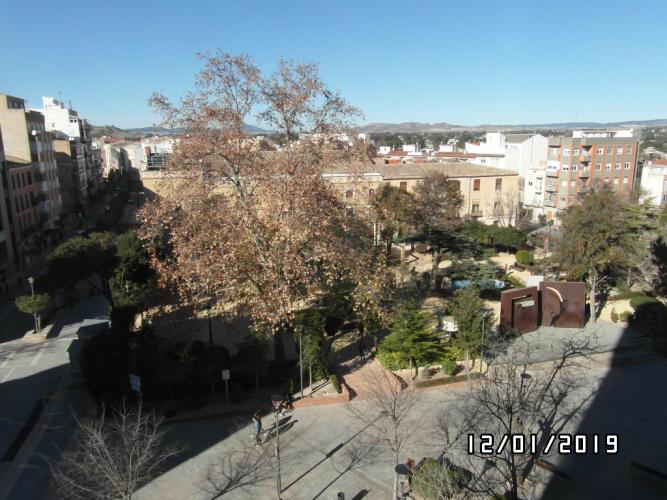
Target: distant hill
113, 131
418, 127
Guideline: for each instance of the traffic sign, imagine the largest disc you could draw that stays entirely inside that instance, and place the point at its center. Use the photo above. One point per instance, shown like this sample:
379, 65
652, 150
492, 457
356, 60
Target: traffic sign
225, 375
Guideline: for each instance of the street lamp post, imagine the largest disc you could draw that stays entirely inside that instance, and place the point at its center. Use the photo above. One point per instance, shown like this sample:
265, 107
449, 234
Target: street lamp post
301, 357
277, 401
31, 280
484, 312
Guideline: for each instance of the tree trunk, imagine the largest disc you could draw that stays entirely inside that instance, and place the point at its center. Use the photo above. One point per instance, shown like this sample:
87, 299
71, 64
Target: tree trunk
388, 247
593, 301
434, 268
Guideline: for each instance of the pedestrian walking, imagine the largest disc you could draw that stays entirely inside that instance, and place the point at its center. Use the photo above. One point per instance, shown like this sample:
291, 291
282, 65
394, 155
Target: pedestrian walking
362, 350
257, 428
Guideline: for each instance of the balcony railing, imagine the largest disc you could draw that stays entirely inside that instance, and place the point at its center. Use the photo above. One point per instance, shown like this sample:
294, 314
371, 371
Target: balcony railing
552, 173
476, 213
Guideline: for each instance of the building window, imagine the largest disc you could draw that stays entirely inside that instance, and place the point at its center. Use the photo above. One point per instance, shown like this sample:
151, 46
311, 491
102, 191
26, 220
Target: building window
349, 193
499, 184
566, 152
29, 177
496, 207
16, 204
14, 181
404, 186
371, 192
575, 152
530, 183
625, 180
619, 151
574, 168
598, 166
600, 151
566, 167
475, 208
627, 165
617, 166
607, 166
475, 184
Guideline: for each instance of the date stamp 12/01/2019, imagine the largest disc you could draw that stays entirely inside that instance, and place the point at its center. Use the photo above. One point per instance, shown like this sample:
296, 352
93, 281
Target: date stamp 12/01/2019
563, 444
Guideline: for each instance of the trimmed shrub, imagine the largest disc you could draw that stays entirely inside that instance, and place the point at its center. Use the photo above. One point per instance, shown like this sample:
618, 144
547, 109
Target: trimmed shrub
449, 366
650, 319
333, 378
525, 257
614, 315
392, 361
433, 481
638, 300
514, 282
626, 316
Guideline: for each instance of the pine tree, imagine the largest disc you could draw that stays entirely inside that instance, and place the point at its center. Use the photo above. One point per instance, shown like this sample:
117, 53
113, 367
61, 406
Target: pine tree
413, 337
468, 310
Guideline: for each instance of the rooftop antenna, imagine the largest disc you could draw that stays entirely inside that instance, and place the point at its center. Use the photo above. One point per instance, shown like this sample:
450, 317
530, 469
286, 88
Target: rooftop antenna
70, 103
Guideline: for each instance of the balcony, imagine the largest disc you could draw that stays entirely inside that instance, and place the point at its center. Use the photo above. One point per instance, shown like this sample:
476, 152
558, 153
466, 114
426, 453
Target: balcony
476, 213
585, 157
584, 174
551, 185
550, 202
552, 173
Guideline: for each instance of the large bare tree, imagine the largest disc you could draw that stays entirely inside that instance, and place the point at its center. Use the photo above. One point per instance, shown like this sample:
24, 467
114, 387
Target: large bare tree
112, 457
524, 397
258, 231
389, 412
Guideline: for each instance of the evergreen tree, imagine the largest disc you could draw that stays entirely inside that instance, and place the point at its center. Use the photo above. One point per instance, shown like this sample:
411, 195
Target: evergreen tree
468, 310
412, 337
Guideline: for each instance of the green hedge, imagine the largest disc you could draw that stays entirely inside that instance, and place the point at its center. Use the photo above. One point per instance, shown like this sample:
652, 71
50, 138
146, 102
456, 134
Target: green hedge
333, 378
525, 257
392, 360
432, 481
638, 300
446, 381
449, 366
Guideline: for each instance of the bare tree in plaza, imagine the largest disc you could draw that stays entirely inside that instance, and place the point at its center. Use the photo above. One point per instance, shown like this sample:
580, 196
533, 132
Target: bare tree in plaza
261, 231
113, 457
389, 412
522, 397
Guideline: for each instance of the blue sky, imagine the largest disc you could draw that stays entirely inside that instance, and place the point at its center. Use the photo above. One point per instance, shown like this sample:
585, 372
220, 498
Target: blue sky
463, 62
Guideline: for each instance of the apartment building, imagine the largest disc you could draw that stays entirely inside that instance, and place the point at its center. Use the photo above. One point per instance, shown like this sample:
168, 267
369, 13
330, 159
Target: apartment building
653, 184
490, 194
587, 159
7, 256
30, 178
79, 164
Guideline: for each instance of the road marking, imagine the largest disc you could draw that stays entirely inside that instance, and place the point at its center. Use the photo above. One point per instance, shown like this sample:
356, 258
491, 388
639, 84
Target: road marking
8, 359
7, 376
36, 359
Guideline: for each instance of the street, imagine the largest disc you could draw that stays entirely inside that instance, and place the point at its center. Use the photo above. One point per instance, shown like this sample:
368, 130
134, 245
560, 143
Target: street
31, 370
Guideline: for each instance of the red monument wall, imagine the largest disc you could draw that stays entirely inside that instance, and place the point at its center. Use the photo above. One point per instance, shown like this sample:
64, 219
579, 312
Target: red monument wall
563, 304
519, 310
